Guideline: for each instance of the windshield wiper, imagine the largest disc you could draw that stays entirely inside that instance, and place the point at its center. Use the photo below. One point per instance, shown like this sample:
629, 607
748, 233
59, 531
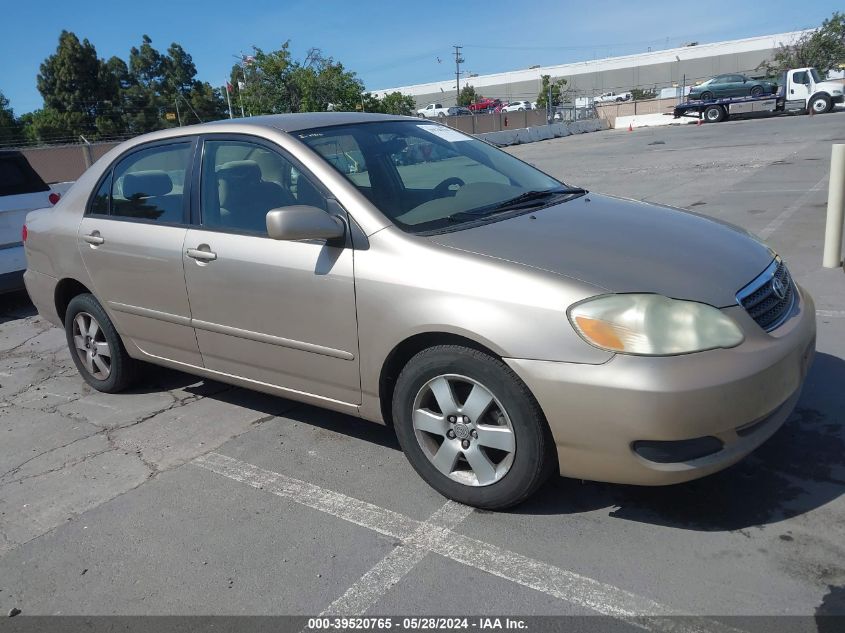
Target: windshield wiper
520, 201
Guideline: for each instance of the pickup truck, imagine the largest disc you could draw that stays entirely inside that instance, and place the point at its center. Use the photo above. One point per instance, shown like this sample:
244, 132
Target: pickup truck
799, 90
433, 110
613, 97
21, 190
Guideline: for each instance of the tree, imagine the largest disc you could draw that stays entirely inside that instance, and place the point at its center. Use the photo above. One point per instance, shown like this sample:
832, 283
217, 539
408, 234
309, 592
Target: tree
397, 103
468, 95
558, 92
11, 130
638, 94
77, 89
823, 48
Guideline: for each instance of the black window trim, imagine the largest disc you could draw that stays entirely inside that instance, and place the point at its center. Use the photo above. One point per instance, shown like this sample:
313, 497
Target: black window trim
186, 185
334, 207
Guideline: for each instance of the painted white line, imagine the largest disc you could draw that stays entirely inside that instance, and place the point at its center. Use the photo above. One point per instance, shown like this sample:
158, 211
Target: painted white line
436, 535
392, 568
835, 314
347, 508
775, 224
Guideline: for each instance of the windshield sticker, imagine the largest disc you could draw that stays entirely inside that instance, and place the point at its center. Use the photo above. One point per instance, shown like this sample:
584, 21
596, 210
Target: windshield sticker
447, 134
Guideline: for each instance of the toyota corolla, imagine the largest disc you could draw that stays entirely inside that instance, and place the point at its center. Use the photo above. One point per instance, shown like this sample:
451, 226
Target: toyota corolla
507, 325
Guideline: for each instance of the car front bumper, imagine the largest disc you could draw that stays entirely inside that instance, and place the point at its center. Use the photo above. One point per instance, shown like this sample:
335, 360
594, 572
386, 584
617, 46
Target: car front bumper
599, 414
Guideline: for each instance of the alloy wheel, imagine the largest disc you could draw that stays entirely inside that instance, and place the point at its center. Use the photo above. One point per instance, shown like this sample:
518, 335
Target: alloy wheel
91, 345
463, 430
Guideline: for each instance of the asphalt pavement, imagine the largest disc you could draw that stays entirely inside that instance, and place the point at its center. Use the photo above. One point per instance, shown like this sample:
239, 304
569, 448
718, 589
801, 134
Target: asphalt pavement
186, 496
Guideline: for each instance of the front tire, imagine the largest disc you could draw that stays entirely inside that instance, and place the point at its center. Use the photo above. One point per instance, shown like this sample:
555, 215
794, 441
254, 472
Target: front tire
757, 91
471, 428
95, 346
820, 104
706, 96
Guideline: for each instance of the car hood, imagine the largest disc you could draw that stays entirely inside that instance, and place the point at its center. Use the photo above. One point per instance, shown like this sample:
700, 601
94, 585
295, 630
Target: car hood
625, 246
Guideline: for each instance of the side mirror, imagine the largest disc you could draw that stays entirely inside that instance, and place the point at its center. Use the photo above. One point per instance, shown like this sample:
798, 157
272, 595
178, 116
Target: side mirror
301, 222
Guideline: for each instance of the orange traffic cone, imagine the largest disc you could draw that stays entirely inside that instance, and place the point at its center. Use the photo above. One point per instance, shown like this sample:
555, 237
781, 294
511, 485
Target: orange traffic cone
810, 108
631, 127
699, 122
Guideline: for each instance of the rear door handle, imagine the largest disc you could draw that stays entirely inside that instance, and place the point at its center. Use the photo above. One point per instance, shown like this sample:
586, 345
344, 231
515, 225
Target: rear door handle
201, 255
94, 238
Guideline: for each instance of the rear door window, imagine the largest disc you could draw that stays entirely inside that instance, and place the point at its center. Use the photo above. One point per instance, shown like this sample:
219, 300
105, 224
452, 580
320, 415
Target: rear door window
149, 184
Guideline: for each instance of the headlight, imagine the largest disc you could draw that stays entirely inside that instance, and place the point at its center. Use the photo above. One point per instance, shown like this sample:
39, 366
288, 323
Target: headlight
652, 325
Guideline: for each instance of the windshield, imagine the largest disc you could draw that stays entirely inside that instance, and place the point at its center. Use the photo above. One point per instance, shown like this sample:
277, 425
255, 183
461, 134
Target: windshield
428, 177
815, 75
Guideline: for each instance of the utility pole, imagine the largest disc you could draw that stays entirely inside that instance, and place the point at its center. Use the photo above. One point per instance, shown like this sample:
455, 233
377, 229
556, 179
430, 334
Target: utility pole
228, 98
178, 116
458, 61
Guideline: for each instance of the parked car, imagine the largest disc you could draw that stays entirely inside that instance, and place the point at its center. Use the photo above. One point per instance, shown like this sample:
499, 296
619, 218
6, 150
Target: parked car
459, 111
732, 85
433, 111
485, 104
21, 191
617, 97
505, 324
517, 106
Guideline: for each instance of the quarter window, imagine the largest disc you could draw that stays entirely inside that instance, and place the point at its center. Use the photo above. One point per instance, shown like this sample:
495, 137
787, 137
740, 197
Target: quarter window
150, 184
242, 181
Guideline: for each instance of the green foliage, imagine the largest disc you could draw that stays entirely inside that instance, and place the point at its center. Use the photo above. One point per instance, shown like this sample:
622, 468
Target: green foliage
823, 48
273, 82
468, 95
638, 94
392, 103
558, 92
11, 130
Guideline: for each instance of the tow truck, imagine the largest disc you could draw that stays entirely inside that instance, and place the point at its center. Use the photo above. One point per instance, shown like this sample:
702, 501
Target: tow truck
799, 90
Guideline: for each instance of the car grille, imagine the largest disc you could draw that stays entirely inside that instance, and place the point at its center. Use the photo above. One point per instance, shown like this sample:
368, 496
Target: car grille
763, 303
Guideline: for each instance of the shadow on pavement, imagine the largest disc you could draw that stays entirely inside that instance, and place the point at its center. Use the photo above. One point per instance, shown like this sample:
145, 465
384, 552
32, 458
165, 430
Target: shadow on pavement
802, 467
15, 305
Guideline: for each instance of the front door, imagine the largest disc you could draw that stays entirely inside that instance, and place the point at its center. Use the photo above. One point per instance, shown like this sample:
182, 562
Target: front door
799, 85
131, 240
276, 312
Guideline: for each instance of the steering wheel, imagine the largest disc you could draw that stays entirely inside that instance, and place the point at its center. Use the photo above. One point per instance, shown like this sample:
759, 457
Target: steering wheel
442, 190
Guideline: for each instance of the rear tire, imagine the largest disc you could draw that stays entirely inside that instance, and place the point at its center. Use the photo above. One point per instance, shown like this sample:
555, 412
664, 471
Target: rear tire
714, 114
757, 91
471, 428
95, 346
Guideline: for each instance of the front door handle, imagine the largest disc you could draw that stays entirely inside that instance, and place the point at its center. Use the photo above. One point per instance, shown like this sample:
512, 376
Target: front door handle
94, 238
201, 254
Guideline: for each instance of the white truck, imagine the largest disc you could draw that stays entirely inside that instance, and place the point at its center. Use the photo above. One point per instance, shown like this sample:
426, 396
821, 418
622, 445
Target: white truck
432, 111
21, 190
799, 90
613, 97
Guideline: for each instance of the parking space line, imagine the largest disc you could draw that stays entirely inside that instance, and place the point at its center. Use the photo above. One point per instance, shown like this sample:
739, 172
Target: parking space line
834, 314
370, 588
436, 535
776, 223
337, 504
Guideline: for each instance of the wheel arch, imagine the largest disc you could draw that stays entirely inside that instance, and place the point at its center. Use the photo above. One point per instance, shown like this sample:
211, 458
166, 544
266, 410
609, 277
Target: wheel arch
66, 290
405, 350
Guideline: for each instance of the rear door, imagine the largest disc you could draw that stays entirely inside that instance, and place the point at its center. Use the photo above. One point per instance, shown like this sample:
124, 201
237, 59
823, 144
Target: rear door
131, 241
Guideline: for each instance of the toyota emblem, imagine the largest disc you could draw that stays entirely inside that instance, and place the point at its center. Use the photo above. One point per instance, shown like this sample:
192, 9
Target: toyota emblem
778, 288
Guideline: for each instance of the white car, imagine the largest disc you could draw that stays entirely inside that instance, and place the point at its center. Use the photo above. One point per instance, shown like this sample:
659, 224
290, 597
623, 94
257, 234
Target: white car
517, 106
609, 97
21, 191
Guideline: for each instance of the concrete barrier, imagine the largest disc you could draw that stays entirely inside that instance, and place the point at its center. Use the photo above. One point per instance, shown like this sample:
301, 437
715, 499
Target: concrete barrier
650, 120
543, 132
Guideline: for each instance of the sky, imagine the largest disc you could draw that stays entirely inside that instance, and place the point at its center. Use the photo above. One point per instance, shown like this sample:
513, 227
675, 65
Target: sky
387, 44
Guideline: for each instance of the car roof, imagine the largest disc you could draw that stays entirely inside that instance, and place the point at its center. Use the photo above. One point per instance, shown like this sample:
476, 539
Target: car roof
288, 122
